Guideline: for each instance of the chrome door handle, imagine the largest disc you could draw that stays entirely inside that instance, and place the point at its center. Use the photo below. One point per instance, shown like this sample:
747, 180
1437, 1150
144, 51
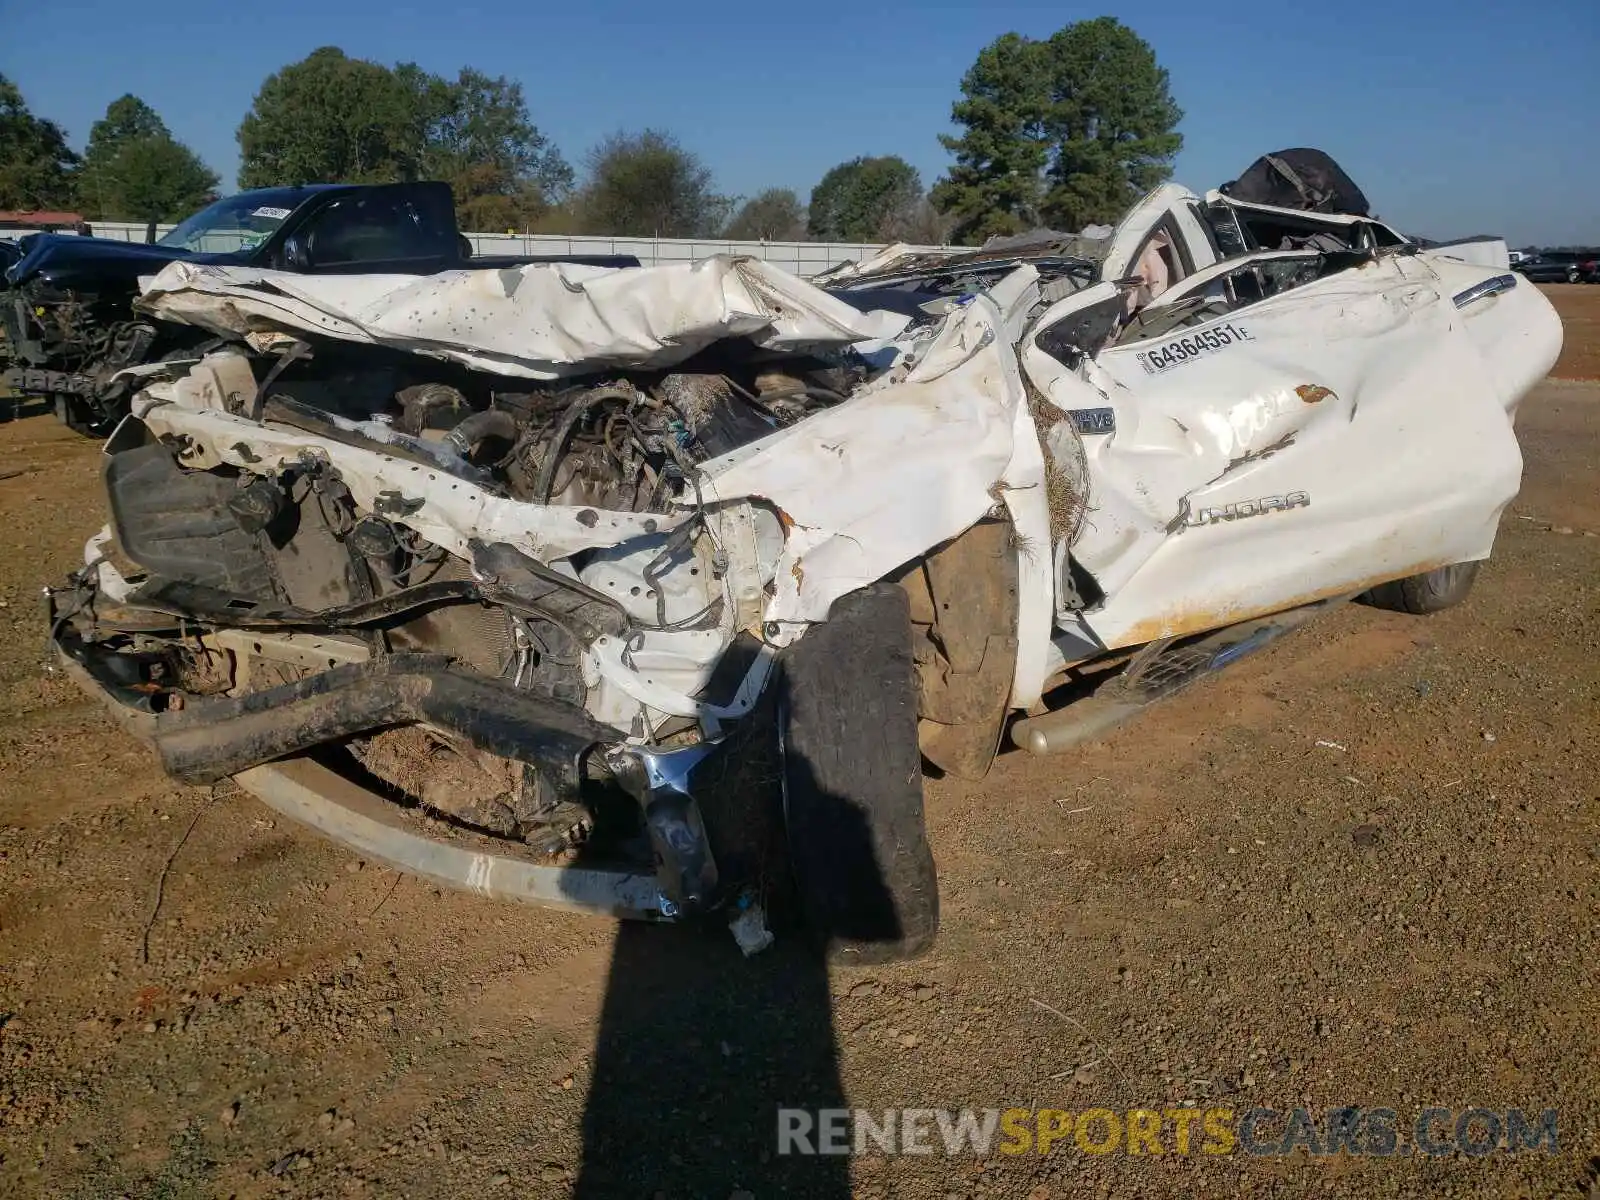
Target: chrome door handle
1489, 287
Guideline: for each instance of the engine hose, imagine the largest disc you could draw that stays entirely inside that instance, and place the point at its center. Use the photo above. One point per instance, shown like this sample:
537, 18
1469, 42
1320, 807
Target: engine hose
679, 539
493, 422
546, 477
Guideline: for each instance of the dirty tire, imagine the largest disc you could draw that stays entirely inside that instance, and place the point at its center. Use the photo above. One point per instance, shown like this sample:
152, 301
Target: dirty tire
1429, 592
852, 782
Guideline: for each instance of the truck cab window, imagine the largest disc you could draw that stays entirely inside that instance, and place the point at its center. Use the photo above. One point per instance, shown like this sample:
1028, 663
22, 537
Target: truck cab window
366, 229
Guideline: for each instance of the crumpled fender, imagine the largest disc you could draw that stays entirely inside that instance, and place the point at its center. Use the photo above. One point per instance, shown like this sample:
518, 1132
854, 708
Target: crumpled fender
904, 465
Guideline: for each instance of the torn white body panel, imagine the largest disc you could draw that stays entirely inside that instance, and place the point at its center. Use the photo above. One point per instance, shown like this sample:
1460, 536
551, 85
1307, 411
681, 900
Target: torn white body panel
858, 503
1168, 204
905, 465
453, 511
1248, 211
634, 685
543, 321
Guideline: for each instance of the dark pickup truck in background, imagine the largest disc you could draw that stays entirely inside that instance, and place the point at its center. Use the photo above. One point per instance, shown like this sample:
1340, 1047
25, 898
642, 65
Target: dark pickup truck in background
66, 309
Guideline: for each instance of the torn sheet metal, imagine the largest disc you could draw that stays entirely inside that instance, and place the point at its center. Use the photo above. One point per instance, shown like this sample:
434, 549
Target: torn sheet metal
542, 321
858, 502
855, 501
443, 508
1170, 203
1178, 449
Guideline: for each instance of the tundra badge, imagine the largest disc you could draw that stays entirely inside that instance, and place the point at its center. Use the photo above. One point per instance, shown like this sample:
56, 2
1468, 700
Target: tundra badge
1250, 508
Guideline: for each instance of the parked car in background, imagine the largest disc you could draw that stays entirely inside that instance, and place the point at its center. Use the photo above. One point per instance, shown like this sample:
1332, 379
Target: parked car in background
1561, 266
66, 312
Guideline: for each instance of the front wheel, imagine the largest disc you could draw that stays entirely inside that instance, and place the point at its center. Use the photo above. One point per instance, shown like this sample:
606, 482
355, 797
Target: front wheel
852, 782
1428, 592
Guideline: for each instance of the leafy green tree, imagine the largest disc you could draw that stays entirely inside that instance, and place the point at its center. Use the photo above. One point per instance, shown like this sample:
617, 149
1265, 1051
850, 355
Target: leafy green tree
36, 164
995, 185
157, 179
328, 119
1111, 123
479, 138
127, 119
331, 118
647, 185
857, 201
775, 215
134, 170
428, 101
1067, 132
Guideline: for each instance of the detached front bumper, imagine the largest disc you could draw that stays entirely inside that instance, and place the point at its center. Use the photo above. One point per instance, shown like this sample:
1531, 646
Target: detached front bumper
202, 740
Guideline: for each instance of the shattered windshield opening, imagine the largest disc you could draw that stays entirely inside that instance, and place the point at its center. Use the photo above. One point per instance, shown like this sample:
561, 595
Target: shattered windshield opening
905, 291
1247, 284
236, 223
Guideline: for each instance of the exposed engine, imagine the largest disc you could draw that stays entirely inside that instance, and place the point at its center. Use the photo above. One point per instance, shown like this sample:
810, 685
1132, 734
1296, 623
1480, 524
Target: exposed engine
70, 346
208, 544
626, 441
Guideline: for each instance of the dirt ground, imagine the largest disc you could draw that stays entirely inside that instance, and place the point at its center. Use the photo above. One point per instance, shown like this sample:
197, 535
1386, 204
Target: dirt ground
1359, 869
1579, 304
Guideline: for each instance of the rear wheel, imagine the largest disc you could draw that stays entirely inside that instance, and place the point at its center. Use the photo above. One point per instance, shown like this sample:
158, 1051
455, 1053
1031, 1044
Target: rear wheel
852, 782
1426, 593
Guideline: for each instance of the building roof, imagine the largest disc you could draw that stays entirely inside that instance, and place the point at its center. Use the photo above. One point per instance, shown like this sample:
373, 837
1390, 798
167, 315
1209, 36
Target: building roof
39, 218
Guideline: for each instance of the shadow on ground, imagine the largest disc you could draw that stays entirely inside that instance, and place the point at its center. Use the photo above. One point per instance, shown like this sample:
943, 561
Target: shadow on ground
697, 1050
16, 408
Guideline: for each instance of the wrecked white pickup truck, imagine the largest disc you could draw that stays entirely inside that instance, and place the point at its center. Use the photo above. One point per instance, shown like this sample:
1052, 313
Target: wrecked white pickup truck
584, 586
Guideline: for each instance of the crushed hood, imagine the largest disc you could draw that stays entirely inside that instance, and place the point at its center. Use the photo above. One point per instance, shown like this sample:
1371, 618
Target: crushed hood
541, 321
1088, 246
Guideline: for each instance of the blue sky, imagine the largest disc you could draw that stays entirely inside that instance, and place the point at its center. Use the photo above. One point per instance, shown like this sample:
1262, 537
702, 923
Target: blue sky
1455, 116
